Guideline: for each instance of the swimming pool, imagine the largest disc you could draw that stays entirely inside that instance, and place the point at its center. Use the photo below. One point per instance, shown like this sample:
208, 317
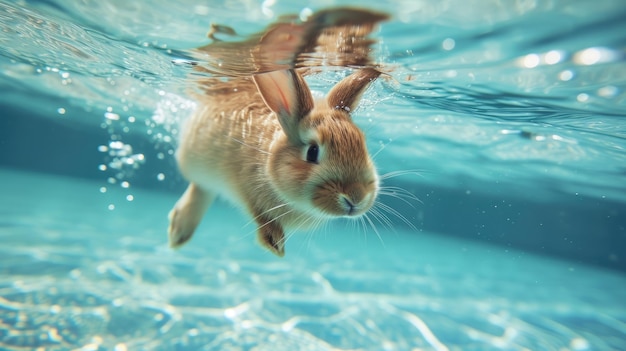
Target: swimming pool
510, 119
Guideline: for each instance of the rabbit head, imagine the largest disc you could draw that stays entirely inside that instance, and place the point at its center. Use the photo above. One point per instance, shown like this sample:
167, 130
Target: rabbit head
319, 164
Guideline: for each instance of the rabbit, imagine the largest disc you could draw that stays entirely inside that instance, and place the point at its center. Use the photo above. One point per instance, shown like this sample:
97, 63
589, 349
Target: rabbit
264, 144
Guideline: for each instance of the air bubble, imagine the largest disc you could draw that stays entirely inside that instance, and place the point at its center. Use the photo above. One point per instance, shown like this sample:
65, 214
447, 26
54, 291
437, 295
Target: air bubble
111, 207
448, 44
61, 110
125, 184
103, 189
102, 168
116, 145
160, 177
553, 57
530, 61
608, 91
566, 75
116, 164
588, 57
201, 10
579, 344
130, 197
305, 14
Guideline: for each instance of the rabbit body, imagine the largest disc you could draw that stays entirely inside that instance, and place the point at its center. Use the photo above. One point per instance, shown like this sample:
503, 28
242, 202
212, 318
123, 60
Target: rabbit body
263, 143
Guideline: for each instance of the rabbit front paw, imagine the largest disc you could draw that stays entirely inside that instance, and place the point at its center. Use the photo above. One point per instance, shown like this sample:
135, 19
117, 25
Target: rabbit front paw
272, 236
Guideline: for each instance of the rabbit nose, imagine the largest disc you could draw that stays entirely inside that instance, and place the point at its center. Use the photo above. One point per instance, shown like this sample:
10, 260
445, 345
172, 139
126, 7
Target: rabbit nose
349, 206
352, 200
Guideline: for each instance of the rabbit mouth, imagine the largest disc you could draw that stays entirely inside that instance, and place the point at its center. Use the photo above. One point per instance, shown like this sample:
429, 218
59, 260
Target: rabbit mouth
350, 207
339, 200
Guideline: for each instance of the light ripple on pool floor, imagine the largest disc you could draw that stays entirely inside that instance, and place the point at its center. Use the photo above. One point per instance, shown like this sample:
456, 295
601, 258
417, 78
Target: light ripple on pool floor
77, 276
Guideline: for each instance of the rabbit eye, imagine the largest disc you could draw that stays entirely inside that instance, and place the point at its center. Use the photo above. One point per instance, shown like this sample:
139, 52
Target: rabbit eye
312, 153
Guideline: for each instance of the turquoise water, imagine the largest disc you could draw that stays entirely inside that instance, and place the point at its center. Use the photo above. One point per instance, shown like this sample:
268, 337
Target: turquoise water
511, 117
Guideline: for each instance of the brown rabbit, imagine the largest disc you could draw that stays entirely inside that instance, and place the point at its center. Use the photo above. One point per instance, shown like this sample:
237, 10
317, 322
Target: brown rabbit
264, 144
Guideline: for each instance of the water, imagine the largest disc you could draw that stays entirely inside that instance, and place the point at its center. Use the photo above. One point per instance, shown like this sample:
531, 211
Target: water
513, 116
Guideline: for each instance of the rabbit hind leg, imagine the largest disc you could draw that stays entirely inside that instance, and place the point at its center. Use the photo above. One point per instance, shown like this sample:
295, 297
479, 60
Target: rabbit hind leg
187, 214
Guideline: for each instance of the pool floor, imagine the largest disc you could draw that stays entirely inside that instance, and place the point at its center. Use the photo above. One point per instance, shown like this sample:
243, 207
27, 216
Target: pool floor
78, 273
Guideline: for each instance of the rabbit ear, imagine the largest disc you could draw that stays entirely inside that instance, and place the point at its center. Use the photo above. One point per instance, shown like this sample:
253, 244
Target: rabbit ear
347, 93
286, 93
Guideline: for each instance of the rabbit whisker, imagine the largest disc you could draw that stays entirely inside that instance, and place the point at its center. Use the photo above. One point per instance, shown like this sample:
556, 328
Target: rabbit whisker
382, 218
292, 231
363, 227
250, 146
359, 225
382, 147
369, 220
352, 223
315, 223
397, 189
275, 218
397, 214
325, 227
307, 240
307, 218
400, 194
396, 196
393, 174
324, 223
266, 212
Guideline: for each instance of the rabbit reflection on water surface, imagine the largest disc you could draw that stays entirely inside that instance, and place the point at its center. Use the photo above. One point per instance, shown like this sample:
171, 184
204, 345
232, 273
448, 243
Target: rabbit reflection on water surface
262, 142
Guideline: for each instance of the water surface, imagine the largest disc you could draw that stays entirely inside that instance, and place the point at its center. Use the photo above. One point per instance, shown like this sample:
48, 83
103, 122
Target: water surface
512, 114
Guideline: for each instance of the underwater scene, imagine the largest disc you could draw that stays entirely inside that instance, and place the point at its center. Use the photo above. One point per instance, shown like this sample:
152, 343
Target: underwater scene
313, 175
